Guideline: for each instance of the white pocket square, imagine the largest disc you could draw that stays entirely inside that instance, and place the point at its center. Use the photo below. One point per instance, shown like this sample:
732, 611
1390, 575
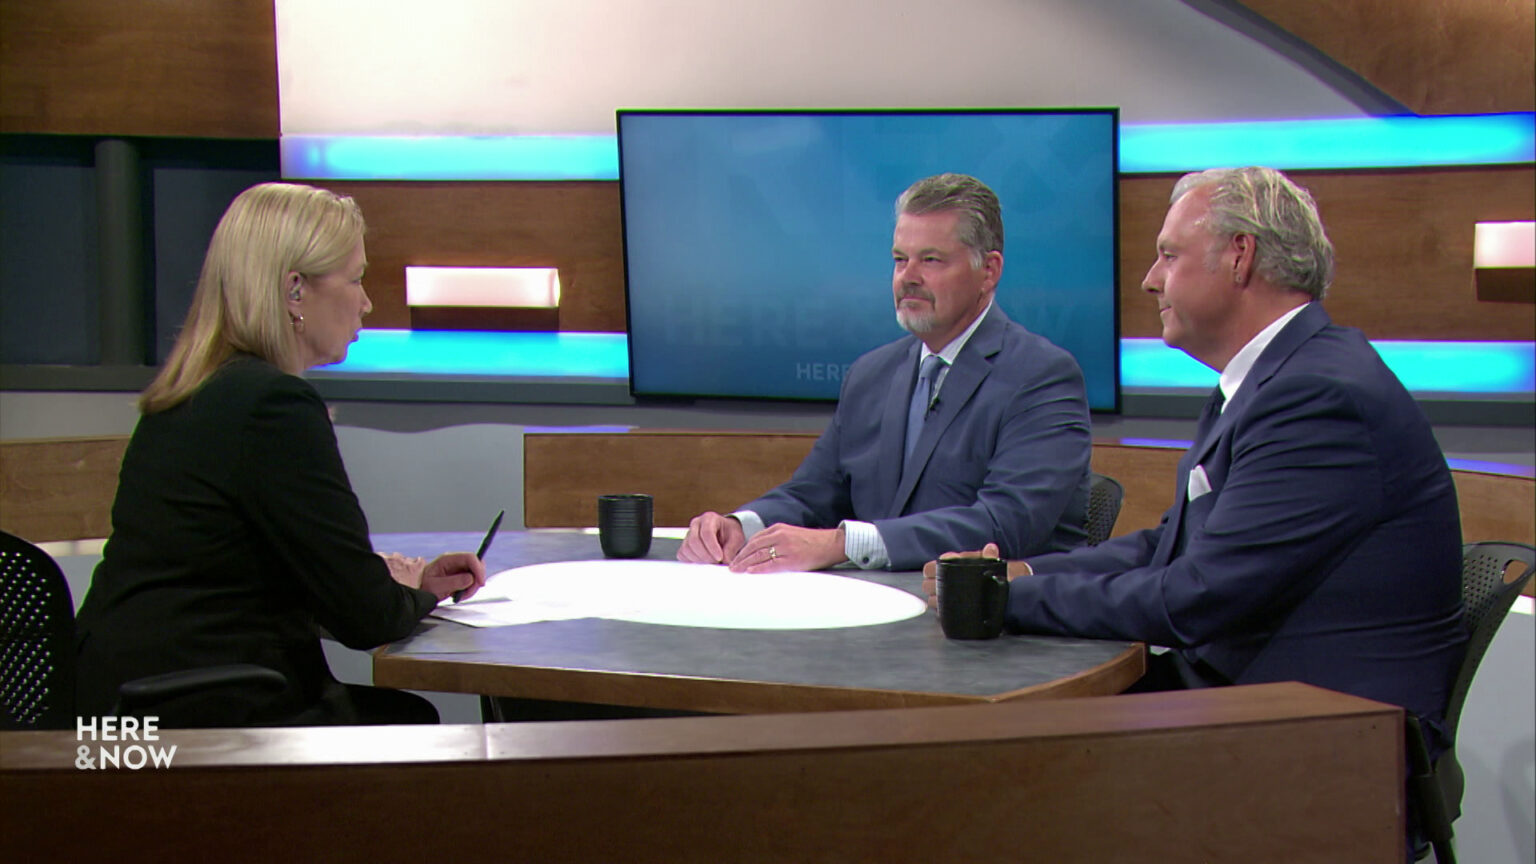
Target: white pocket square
1199, 484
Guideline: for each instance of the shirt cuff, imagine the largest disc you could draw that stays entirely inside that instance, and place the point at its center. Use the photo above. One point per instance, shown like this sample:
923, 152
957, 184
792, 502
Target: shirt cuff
751, 523
864, 546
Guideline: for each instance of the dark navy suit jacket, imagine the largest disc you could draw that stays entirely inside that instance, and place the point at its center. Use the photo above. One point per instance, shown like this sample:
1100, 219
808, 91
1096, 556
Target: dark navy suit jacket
1328, 549
1004, 456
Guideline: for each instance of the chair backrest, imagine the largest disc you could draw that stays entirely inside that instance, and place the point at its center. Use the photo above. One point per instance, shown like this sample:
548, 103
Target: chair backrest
37, 639
1104, 496
1488, 589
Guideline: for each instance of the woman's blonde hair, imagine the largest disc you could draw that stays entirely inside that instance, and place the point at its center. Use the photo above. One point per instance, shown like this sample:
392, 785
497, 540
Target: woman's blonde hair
268, 231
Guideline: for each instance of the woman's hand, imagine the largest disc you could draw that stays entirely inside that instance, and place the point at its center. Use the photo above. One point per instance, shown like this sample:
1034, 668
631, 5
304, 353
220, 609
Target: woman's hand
404, 569
456, 573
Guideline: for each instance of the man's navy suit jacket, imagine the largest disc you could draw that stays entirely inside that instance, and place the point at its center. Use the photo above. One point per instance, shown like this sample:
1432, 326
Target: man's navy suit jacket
1003, 457
1328, 549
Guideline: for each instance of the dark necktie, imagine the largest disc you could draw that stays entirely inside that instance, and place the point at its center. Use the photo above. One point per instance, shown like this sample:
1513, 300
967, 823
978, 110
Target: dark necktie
922, 398
1208, 414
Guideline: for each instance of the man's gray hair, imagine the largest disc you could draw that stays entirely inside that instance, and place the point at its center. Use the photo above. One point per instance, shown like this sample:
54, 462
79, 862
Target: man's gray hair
1292, 248
980, 226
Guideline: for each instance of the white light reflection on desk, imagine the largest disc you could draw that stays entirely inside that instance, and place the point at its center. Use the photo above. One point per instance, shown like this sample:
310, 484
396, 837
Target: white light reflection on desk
683, 595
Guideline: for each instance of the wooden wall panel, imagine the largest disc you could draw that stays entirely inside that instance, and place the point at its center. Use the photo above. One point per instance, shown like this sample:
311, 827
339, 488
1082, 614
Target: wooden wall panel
574, 226
689, 472
59, 489
190, 68
1146, 473
1435, 56
685, 472
1496, 507
1402, 240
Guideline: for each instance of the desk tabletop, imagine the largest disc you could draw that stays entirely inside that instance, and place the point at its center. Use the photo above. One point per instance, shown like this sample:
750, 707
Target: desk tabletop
597, 660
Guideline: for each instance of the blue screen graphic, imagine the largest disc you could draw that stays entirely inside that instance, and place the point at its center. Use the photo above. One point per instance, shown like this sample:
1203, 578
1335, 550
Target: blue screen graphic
757, 244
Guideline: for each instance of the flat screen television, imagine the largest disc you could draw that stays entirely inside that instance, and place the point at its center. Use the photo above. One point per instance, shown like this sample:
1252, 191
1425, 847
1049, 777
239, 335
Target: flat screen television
757, 243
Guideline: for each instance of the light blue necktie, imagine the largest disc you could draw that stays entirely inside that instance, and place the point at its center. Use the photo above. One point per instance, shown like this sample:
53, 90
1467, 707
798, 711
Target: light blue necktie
922, 398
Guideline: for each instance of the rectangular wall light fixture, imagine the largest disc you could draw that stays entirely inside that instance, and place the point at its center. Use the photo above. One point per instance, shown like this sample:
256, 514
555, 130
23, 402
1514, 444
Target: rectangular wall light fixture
1504, 261
483, 298
526, 287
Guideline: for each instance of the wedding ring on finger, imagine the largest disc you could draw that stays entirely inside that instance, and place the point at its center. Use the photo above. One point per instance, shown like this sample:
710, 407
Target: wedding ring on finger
773, 553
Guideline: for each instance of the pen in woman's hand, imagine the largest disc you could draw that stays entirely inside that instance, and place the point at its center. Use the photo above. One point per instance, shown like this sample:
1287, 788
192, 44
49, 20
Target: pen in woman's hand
485, 546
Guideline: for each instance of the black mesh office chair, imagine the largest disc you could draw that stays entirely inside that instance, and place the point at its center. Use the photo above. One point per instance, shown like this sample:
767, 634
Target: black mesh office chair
1492, 575
37, 650
1104, 496
37, 639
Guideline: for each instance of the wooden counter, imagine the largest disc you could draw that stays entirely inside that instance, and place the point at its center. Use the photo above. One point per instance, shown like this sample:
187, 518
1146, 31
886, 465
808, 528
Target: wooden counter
1278, 772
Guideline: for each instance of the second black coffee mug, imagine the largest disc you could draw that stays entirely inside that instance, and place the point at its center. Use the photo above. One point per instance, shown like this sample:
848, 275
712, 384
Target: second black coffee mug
973, 597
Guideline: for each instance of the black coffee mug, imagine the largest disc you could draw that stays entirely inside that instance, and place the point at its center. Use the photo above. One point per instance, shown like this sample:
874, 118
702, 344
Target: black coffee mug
973, 597
624, 525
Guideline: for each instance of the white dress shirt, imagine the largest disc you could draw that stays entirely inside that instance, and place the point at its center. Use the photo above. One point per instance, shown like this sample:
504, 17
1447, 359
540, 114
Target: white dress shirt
1242, 362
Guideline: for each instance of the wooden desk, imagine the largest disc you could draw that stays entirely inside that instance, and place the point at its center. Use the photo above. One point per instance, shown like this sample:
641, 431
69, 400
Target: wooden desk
728, 671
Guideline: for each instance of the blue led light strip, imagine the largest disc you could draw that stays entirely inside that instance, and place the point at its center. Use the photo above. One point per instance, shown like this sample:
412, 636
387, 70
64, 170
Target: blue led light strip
480, 353
490, 157
1362, 142
1359, 142
1483, 368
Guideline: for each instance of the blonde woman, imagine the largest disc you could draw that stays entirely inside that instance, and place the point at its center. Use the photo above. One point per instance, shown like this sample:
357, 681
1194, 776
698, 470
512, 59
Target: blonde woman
235, 531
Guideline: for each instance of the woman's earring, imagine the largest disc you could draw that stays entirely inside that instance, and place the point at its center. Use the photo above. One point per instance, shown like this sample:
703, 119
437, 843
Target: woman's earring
298, 320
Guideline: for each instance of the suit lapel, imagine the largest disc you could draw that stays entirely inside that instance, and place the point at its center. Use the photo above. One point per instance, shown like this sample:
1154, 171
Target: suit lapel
893, 425
972, 366
1169, 538
1304, 326
1301, 328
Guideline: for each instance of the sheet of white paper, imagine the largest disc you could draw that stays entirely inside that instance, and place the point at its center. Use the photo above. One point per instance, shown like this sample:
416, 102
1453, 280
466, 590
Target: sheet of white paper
688, 595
